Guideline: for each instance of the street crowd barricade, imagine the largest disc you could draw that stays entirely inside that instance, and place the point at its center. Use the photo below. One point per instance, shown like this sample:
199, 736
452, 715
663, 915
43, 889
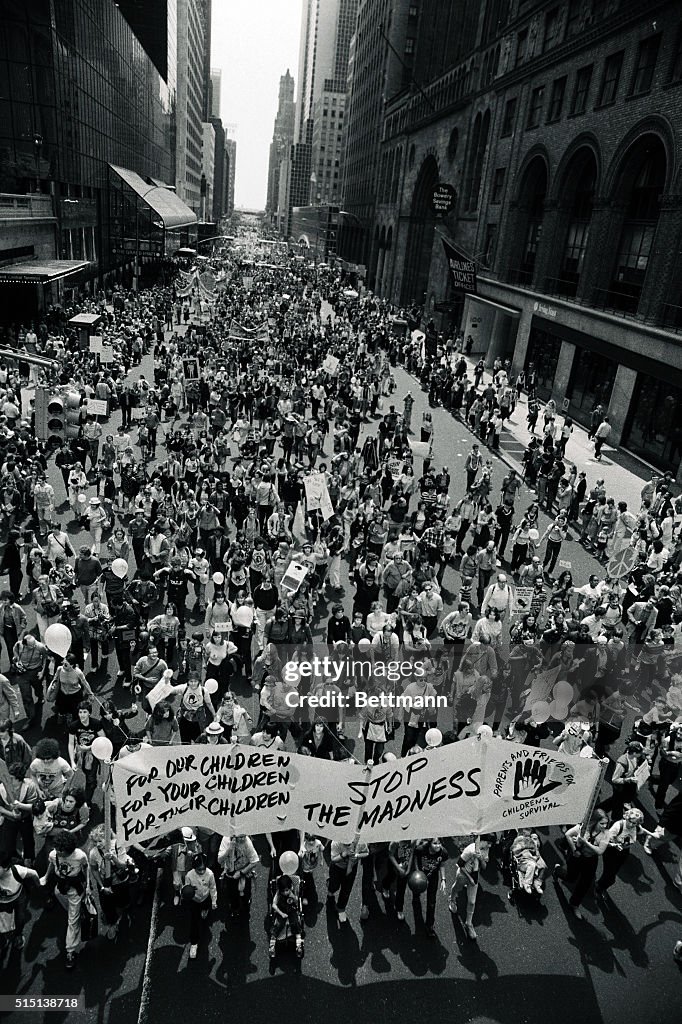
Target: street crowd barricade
475, 786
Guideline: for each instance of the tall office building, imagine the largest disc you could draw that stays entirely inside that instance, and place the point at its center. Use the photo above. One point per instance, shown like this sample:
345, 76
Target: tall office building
231, 163
327, 28
280, 147
216, 81
192, 97
208, 144
86, 145
380, 65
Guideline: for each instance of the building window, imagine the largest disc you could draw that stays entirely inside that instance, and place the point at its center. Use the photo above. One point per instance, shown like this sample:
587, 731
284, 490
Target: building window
590, 384
578, 232
676, 66
452, 145
552, 28
409, 46
638, 232
647, 55
509, 117
581, 91
556, 100
574, 18
489, 244
521, 46
413, 11
654, 429
542, 359
609, 84
537, 97
498, 184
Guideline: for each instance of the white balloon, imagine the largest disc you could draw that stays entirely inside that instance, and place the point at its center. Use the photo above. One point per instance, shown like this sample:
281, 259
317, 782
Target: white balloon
484, 730
102, 748
218, 578
558, 710
58, 639
211, 686
434, 738
540, 711
364, 644
563, 691
390, 756
119, 567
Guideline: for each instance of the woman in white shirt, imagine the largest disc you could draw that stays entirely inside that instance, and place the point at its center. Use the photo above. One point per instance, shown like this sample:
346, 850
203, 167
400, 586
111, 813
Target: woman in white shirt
203, 896
489, 625
377, 618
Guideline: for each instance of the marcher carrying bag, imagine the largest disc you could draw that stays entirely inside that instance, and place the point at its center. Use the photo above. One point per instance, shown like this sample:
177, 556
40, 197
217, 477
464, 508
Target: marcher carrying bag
89, 919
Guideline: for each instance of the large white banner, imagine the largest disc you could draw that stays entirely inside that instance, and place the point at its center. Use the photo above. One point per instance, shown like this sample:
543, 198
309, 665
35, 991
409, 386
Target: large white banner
474, 786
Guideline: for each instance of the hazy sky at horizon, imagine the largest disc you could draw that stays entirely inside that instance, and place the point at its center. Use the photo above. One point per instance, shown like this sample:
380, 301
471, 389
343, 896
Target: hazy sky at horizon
253, 42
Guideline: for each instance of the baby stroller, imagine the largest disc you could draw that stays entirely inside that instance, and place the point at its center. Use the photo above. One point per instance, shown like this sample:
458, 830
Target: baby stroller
522, 864
285, 893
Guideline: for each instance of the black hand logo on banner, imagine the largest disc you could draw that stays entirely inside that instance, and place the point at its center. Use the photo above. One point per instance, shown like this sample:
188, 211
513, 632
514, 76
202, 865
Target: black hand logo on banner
529, 780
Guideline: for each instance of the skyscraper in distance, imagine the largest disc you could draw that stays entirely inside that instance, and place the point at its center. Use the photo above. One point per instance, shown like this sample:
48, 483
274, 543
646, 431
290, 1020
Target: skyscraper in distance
282, 140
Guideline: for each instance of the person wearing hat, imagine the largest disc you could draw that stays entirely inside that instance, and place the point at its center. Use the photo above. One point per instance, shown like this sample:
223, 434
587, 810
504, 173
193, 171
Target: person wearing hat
97, 519
238, 859
183, 850
78, 483
213, 734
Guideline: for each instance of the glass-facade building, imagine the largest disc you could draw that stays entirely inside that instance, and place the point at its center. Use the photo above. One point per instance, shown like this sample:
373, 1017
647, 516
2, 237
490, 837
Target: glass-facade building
79, 92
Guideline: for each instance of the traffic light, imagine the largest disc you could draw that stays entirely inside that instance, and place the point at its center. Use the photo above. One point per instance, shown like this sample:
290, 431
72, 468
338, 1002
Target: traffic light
57, 415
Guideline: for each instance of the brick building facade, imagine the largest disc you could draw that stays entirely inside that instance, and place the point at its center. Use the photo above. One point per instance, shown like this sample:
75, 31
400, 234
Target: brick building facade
560, 129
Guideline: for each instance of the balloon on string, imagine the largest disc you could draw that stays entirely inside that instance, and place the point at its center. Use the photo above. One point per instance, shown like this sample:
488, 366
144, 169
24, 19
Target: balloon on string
540, 711
102, 748
211, 686
218, 578
434, 738
558, 710
417, 881
58, 639
563, 691
484, 730
390, 756
119, 567
364, 644
288, 862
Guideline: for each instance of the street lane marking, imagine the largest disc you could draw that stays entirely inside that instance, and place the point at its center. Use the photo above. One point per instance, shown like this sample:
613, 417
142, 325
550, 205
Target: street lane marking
145, 994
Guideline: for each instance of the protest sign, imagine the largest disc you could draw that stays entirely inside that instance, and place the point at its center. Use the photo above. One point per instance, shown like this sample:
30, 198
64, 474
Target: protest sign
420, 448
97, 407
190, 369
529, 786
524, 597
315, 486
95, 342
330, 365
159, 692
293, 577
474, 786
395, 467
107, 354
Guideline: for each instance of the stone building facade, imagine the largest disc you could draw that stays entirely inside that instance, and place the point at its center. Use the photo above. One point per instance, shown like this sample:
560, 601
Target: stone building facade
561, 131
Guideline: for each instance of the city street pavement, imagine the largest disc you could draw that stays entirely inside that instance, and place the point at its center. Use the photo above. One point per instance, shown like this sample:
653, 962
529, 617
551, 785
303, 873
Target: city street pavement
532, 963
622, 473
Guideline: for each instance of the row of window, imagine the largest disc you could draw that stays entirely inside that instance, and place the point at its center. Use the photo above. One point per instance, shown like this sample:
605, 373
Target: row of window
641, 83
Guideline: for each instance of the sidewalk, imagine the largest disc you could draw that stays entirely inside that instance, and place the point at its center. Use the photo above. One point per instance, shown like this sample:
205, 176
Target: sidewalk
623, 475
